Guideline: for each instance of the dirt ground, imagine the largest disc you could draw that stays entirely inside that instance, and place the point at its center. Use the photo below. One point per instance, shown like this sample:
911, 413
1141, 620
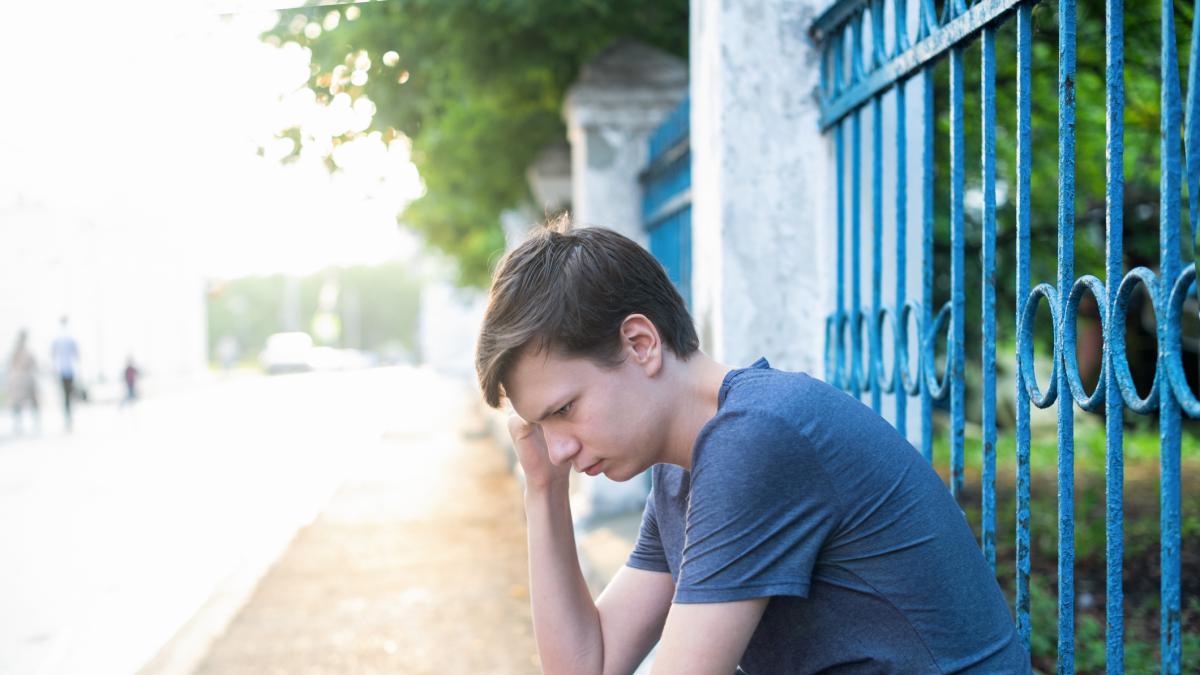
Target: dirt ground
418, 565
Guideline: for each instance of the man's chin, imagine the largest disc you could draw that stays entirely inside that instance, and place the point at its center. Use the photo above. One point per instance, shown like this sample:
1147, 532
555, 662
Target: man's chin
619, 474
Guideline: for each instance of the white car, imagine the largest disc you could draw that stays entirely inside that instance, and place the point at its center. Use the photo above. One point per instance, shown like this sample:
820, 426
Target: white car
287, 353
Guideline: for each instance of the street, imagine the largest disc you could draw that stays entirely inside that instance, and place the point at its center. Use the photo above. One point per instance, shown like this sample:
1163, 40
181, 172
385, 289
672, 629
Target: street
117, 535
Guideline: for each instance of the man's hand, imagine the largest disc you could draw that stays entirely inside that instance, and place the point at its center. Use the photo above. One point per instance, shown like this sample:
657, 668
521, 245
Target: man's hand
530, 445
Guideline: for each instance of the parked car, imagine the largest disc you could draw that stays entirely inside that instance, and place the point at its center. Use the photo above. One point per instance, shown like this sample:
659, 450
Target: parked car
288, 352
334, 358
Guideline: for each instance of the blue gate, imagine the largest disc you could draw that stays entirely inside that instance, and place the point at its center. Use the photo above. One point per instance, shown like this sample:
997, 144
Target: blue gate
858, 68
667, 201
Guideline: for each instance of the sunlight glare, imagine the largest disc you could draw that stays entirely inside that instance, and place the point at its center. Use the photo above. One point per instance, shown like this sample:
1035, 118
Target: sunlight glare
195, 157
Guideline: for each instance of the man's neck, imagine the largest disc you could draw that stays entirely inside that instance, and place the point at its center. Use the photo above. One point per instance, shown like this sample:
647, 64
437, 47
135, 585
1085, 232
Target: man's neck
699, 385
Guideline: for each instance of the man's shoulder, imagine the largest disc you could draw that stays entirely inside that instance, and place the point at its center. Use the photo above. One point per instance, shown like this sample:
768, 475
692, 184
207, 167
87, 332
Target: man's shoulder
771, 416
769, 391
768, 402
754, 434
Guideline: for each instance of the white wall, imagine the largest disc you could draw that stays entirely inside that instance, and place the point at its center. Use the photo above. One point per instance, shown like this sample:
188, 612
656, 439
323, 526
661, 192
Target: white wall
764, 212
760, 184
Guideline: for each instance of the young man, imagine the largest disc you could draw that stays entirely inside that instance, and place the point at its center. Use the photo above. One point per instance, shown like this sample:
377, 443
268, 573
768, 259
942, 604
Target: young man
789, 528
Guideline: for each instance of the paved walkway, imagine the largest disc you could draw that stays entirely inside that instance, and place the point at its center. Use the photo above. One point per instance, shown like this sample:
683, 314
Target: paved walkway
112, 537
328, 523
417, 563
414, 567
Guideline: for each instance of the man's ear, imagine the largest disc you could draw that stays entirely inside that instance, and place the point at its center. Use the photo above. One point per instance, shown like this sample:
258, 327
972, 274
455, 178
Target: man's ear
641, 343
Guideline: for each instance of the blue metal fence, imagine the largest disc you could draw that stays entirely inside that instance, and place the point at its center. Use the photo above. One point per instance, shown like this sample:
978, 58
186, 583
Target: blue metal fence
855, 76
667, 203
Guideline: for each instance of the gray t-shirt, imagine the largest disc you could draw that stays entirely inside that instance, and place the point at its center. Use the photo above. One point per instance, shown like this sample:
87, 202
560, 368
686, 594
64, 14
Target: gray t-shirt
800, 493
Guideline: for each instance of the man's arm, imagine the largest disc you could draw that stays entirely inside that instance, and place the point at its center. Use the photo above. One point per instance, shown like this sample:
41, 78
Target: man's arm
704, 639
615, 633
633, 609
575, 634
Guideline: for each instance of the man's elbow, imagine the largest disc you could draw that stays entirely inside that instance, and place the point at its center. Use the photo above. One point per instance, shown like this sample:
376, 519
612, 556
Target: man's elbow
586, 661
578, 666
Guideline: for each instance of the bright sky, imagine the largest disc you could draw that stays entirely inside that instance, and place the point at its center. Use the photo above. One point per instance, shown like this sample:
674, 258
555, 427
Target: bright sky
149, 114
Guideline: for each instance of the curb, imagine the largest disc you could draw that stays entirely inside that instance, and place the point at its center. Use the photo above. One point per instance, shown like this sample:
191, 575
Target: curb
187, 648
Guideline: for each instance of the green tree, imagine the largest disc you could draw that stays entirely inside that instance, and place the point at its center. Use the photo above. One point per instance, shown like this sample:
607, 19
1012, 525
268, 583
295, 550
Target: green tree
478, 88
377, 308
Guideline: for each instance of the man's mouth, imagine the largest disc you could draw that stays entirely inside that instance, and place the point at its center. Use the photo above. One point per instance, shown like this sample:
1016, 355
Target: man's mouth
593, 469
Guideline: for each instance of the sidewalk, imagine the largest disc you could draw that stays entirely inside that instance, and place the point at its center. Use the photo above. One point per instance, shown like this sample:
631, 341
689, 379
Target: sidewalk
417, 564
413, 567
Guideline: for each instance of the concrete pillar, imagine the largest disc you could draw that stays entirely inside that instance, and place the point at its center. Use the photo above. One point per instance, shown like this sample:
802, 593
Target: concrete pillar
549, 179
764, 216
762, 274
621, 96
516, 224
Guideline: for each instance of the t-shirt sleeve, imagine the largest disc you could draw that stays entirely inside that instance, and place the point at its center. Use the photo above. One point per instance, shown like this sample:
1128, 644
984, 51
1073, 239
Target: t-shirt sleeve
648, 551
761, 507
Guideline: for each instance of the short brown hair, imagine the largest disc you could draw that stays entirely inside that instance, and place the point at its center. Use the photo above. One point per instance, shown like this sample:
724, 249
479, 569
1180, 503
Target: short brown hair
570, 290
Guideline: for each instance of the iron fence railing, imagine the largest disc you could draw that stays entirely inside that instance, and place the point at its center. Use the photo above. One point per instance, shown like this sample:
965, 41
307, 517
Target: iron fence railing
856, 73
667, 203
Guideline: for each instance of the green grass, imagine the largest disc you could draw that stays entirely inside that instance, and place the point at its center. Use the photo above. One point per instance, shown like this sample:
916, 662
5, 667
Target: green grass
1141, 444
1141, 536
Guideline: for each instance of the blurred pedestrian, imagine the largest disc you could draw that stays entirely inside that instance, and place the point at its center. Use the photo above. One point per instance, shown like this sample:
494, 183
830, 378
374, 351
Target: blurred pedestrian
131, 377
22, 382
64, 353
227, 352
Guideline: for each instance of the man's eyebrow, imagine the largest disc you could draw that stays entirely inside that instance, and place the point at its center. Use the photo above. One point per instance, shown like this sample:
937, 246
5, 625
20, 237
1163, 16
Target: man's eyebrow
549, 411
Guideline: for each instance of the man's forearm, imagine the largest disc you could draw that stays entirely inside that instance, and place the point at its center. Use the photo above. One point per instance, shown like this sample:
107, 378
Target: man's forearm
565, 620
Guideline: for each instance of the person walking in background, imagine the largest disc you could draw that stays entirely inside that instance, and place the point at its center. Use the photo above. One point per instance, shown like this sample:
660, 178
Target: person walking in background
22, 382
64, 353
227, 352
131, 377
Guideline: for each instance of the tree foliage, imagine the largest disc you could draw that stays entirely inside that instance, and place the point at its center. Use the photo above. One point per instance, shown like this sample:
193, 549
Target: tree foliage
378, 308
476, 85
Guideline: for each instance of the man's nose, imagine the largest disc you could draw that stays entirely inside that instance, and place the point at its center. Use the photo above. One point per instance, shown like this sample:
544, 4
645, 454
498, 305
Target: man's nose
561, 448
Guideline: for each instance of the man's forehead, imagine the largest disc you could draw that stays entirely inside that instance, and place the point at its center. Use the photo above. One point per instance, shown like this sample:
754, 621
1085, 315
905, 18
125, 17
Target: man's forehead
537, 378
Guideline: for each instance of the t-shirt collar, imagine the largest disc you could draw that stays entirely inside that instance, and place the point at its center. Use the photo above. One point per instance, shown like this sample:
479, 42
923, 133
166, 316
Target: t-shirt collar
760, 363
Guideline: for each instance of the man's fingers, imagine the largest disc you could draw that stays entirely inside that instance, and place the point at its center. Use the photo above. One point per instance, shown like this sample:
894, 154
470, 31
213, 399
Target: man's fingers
519, 429
530, 446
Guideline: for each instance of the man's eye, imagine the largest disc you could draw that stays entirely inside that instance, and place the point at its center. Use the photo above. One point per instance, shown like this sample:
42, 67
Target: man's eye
564, 410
